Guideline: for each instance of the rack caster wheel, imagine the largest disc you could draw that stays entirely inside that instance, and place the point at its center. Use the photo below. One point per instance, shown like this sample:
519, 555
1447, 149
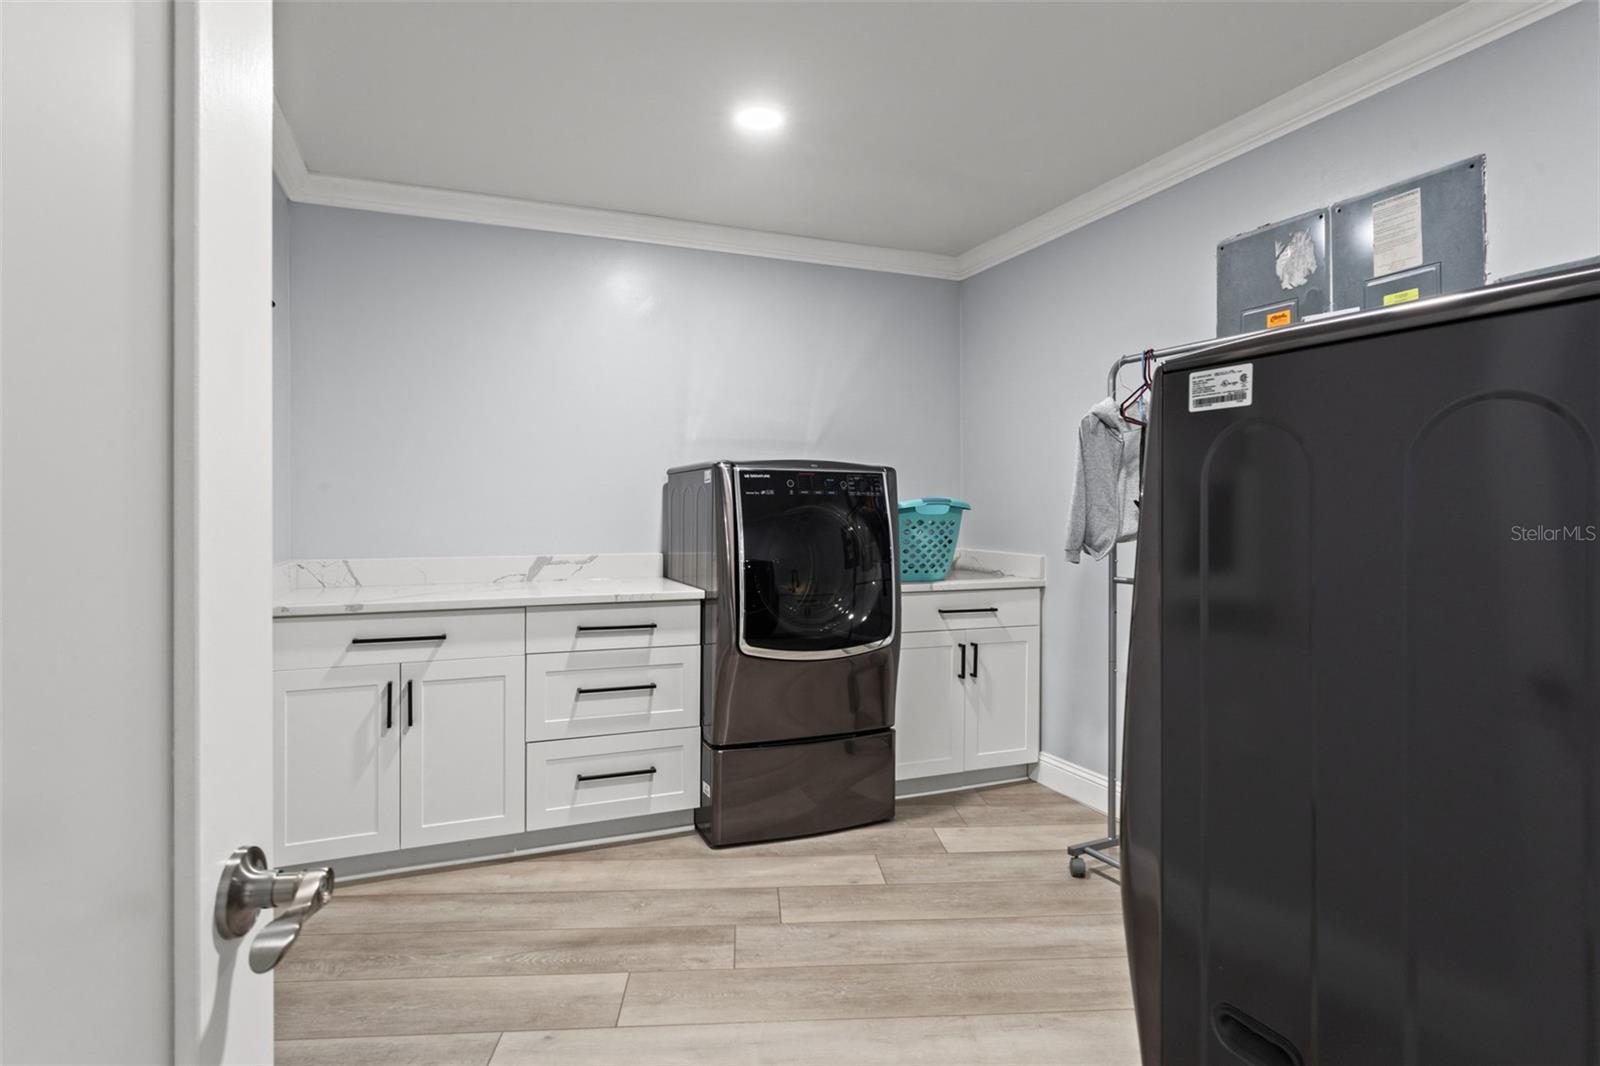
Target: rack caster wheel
1078, 867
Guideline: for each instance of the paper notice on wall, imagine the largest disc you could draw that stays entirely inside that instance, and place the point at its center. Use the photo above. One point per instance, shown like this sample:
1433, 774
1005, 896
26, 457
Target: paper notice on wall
1397, 233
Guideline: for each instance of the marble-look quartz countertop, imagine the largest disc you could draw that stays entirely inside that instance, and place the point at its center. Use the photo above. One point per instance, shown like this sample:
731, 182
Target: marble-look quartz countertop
387, 586
977, 570
387, 599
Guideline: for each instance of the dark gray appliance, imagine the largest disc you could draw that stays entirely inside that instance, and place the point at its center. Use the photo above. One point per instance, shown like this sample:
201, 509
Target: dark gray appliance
800, 640
1362, 789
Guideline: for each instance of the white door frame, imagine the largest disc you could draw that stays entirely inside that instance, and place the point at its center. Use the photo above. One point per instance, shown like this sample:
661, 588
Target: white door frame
222, 493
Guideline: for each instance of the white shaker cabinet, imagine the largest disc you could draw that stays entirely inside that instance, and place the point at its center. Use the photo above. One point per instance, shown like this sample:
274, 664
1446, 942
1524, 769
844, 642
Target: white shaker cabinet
337, 762
1002, 705
968, 698
461, 750
930, 707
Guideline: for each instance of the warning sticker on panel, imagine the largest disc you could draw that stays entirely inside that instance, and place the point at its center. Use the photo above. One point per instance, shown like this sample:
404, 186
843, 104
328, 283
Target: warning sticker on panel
1397, 233
1223, 386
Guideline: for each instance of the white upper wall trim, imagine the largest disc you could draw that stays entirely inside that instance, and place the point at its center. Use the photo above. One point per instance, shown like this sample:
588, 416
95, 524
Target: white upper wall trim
1437, 41
329, 190
287, 163
1454, 33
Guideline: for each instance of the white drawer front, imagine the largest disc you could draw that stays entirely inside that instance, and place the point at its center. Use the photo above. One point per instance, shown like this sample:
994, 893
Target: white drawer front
589, 693
571, 781
612, 625
924, 612
366, 640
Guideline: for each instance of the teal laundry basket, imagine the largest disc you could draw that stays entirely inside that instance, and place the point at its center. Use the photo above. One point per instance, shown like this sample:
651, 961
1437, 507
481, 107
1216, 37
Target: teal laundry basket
929, 528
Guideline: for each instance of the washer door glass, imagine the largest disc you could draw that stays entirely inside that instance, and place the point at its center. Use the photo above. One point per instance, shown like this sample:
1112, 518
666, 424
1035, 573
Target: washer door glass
818, 566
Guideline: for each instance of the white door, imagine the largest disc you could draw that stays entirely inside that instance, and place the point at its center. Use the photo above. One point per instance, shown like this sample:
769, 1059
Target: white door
337, 744
1002, 696
930, 706
461, 751
221, 116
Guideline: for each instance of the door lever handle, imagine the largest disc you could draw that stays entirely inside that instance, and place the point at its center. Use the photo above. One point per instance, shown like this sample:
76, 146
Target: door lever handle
249, 886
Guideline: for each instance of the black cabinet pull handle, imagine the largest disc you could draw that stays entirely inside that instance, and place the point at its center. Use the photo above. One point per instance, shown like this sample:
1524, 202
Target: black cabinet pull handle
962, 648
388, 706
974, 658
411, 706
615, 629
428, 639
969, 610
646, 772
617, 688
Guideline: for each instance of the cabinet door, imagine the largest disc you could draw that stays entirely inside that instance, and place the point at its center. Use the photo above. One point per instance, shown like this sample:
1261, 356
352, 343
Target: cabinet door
1002, 696
930, 702
461, 750
336, 754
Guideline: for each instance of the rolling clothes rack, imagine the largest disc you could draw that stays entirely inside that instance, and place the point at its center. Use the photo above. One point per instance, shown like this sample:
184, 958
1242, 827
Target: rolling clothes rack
1098, 849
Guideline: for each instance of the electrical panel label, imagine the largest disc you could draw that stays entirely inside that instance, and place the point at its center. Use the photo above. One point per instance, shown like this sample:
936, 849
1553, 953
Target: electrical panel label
1276, 319
1220, 387
1404, 296
1397, 233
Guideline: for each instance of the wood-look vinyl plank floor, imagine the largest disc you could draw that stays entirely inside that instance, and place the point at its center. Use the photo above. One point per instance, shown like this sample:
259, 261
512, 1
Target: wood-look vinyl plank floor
505, 952
860, 903
528, 875
436, 1049
1078, 1038
882, 838
1005, 866
447, 1005
811, 992
1012, 814
952, 934
929, 940
547, 910
1037, 837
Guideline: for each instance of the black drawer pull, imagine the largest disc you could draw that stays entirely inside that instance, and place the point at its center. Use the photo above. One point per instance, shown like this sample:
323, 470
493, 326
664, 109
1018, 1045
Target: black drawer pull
429, 639
615, 629
617, 688
969, 610
646, 772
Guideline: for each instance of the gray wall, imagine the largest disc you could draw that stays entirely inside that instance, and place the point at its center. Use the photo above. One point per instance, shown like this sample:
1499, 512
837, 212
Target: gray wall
1038, 332
460, 389
85, 433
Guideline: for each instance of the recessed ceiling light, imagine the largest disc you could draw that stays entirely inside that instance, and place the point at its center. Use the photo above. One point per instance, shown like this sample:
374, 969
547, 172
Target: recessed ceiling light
759, 118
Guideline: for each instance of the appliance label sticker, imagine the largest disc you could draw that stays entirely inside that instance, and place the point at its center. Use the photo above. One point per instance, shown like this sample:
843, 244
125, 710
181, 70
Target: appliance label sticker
1397, 233
705, 787
1223, 386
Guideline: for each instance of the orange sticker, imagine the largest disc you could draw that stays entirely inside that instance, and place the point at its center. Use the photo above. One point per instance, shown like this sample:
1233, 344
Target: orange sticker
1280, 318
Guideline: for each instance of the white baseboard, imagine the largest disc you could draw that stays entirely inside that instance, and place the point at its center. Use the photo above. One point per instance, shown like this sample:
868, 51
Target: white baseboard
1075, 782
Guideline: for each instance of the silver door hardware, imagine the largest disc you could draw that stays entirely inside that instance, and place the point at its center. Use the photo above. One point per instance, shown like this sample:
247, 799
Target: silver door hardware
249, 886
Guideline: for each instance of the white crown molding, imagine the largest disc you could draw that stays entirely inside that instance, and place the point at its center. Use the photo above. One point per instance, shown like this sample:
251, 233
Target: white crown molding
1435, 42
1439, 40
328, 190
287, 163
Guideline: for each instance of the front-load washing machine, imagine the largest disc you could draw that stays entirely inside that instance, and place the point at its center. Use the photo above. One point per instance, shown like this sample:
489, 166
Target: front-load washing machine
800, 636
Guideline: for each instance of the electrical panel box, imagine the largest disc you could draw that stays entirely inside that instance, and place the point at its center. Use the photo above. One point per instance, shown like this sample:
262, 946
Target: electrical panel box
1273, 276
1410, 240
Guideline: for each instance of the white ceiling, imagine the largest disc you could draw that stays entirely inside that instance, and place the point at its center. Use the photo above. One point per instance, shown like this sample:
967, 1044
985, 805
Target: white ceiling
924, 127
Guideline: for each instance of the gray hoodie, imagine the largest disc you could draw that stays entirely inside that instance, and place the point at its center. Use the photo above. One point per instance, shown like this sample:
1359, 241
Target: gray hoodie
1105, 491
